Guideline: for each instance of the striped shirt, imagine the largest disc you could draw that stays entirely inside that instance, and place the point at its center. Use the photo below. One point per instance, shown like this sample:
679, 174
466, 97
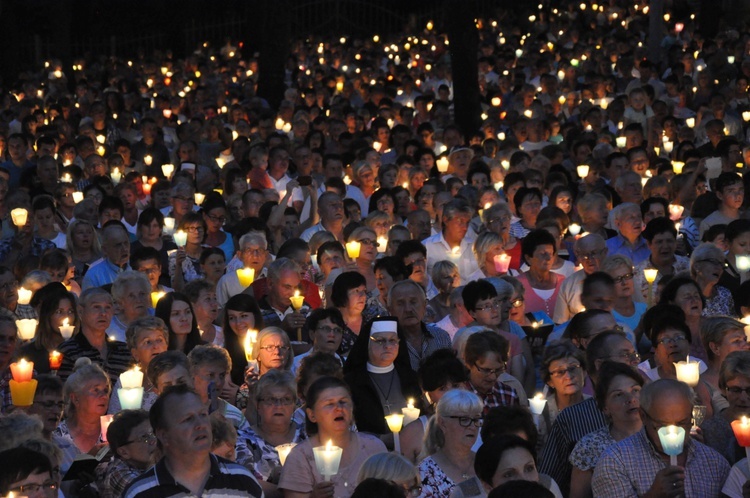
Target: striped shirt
434, 338
117, 361
629, 467
569, 427
225, 479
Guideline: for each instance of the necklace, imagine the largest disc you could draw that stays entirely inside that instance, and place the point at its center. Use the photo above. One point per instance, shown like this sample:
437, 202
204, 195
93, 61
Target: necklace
465, 471
387, 403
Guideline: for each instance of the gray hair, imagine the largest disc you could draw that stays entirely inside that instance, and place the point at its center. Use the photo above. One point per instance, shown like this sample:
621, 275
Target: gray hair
443, 268
405, 283
35, 278
589, 240
209, 355
517, 285
147, 323
504, 288
83, 372
92, 292
482, 246
269, 331
389, 466
254, 238
456, 207
652, 391
453, 402
497, 209
627, 175
737, 363
623, 208
280, 265
611, 263
282, 379
127, 278
705, 251
714, 328
16, 427
462, 335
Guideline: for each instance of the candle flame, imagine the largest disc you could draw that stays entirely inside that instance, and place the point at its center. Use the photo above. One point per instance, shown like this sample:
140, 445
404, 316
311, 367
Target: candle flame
745, 420
66, 322
410, 403
329, 445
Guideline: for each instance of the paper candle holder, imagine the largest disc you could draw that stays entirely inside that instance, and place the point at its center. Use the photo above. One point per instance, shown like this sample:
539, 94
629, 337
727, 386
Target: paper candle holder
155, 296
583, 170
352, 249
283, 450
22, 393
297, 300
251, 337
502, 263
132, 378
104, 422
650, 274
688, 371
26, 328
574, 229
246, 276
743, 262
24, 295
130, 399
327, 459
410, 413
22, 370
66, 329
19, 216
672, 438
180, 238
55, 360
537, 404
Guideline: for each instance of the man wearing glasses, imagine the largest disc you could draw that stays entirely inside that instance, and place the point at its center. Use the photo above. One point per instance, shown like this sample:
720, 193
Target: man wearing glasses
24, 472
133, 443
590, 251
638, 465
252, 253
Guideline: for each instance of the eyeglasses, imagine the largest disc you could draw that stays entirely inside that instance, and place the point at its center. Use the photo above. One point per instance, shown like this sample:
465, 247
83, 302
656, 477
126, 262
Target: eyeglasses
328, 330
632, 356
624, 278
560, 373
147, 438
194, 229
253, 252
467, 421
738, 390
517, 303
285, 401
9, 286
590, 255
491, 371
385, 342
493, 306
282, 349
50, 404
35, 488
213, 217
368, 242
672, 340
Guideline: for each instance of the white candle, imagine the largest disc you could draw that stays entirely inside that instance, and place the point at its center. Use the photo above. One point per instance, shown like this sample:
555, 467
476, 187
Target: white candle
537, 404
167, 169
410, 413
66, 330
26, 328
130, 399
132, 378
675, 212
382, 243
743, 262
395, 422
180, 238
283, 450
690, 122
688, 372
169, 226
19, 216
24, 295
327, 459
199, 198
147, 160
621, 142
77, 197
104, 422
583, 170
574, 229
116, 176
442, 165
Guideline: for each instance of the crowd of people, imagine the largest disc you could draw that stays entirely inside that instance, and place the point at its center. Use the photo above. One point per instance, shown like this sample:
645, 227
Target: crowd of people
216, 295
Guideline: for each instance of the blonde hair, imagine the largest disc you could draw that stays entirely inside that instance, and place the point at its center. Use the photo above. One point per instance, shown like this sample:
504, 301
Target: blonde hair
96, 247
269, 331
390, 467
453, 402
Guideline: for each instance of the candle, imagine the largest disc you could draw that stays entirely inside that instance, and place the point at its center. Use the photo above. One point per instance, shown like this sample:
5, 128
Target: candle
55, 360
66, 330
650, 274
180, 238
688, 372
104, 422
382, 243
502, 263
283, 450
743, 262
583, 170
24, 295
22, 370
26, 328
19, 216
677, 167
147, 160
574, 229
116, 176
155, 296
537, 404
442, 165
22, 393
347, 180
675, 212
668, 146
690, 122
456, 252
622, 142
199, 198
672, 439
327, 459
132, 378
66, 178
297, 300
352, 249
746, 115
130, 399
395, 422
220, 162
246, 276
167, 169
168, 225
77, 197
251, 337
410, 413
741, 430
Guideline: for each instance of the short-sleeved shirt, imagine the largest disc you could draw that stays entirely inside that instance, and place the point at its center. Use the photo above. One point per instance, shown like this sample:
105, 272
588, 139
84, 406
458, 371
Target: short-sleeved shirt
117, 361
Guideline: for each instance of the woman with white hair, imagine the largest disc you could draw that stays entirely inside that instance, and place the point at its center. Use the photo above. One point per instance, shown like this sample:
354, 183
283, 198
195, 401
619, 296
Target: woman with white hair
486, 248
497, 219
451, 434
706, 268
131, 292
394, 468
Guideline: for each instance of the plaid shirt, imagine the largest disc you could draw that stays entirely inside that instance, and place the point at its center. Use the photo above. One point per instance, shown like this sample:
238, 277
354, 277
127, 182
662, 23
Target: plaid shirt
500, 395
628, 469
118, 475
38, 247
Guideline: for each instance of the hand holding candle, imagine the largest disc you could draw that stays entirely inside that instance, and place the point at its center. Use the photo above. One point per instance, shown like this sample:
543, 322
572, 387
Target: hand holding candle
395, 422
283, 450
251, 337
327, 459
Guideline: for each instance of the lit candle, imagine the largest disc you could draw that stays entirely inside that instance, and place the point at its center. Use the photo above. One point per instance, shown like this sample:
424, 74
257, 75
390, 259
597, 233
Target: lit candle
746, 115
251, 337
77, 197
130, 399
405, 185
283, 450
199, 198
22, 393
132, 378
410, 413
327, 459
116, 176
502, 263
743, 262
675, 212
574, 229
672, 438
246, 276
155, 296
180, 238
22, 370
690, 122
66, 178
382, 243
168, 225
297, 300
395, 421
352, 249
147, 160
55, 360
167, 169
24, 295
677, 167
347, 180
442, 165
19, 216
668, 146
650, 274
101, 150
66, 329
456, 252
583, 170
688, 372
622, 142
104, 422
26, 328
537, 404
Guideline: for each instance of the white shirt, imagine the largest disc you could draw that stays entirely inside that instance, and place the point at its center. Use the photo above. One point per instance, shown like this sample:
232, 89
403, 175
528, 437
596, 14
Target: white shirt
439, 250
280, 186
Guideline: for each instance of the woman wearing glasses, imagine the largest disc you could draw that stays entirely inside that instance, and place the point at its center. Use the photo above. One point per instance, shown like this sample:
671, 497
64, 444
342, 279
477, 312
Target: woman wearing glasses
272, 351
380, 376
214, 212
497, 220
368, 252
451, 434
625, 310
184, 263
325, 327
394, 468
706, 268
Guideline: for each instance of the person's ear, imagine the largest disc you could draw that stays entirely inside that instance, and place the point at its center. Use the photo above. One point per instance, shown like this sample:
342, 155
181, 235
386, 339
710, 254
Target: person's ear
311, 415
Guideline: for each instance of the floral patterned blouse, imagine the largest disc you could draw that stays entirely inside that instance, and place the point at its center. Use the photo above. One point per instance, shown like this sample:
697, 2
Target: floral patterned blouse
64, 440
265, 457
587, 451
435, 482
721, 303
191, 268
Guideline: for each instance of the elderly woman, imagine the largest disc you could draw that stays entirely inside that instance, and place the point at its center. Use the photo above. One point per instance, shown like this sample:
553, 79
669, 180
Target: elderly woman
329, 418
593, 210
721, 335
177, 313
617, 394
349, 295
542, 285
528, 202
382, 200
379, 374
57, 306
706, 268
272, 351
626, 309
485, 356
325, 328
685, 293
486, 248
734, 382
184, 263
146, 338
394, 468
131, 292
86, 395
446, 278
83, 245
563, 370
276, 398
368, 252
497, 220
448, 443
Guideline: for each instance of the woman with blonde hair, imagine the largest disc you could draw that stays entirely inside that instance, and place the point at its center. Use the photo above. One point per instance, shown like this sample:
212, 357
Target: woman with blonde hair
497, 219
394, 468
83, 245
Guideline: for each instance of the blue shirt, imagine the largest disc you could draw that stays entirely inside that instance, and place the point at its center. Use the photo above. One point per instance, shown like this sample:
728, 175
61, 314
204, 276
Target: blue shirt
620, 245
102, 272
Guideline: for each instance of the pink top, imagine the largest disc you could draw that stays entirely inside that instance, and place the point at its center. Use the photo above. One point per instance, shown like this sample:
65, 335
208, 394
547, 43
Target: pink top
534, 303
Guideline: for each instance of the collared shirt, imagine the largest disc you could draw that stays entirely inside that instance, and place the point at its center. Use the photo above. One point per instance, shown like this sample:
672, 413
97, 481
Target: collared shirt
38, 247
680, 264
271, 316
570, 426
117, 361
439, 250
500, 395
620, 245
433, 338
225, 479
569, 297
228, 286
101, 272
118, 475
26, 311
628, 469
